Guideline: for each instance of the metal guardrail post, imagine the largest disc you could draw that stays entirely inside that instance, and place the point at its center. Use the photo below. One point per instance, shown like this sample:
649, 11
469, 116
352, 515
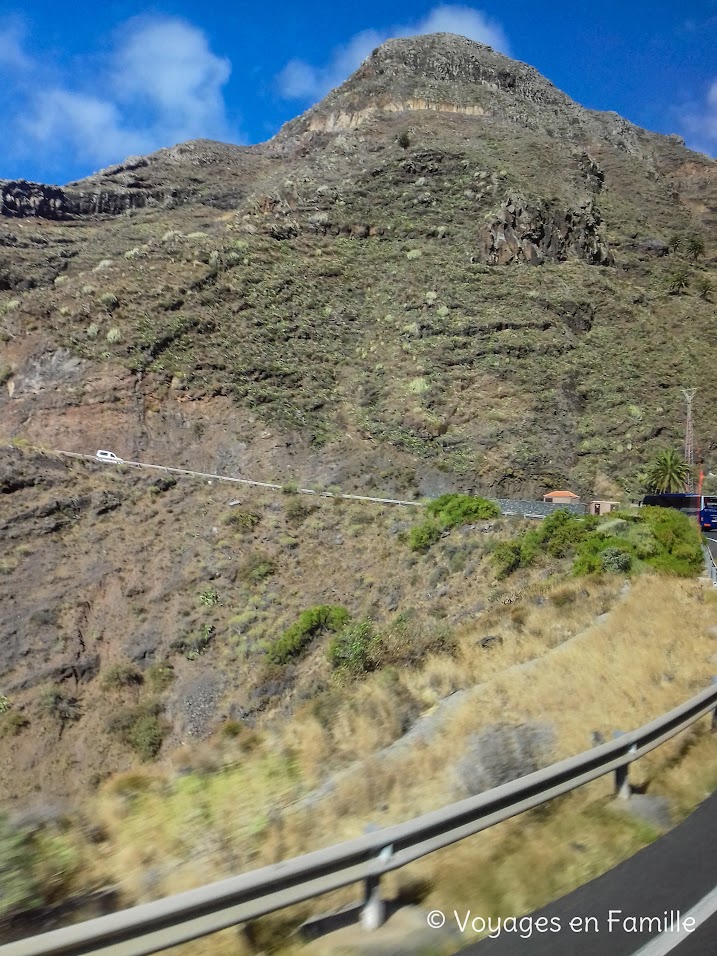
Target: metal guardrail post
622, 776
373, 908
713, 725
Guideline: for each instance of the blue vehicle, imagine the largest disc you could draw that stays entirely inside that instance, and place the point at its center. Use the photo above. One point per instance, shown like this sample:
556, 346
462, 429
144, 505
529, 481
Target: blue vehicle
701, 507
708, 513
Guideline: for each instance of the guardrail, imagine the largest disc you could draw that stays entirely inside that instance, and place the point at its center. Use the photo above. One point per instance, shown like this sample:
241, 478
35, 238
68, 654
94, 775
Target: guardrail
155, 926
247, 481
508, 512
710, 565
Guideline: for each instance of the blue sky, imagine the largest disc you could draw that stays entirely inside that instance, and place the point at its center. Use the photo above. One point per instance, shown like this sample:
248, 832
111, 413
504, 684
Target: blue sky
86, 86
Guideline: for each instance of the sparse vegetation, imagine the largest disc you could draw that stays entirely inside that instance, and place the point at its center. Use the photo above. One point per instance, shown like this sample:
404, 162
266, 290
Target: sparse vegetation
242, 520
194, 643
124, 674
258, 567
54, 702
159, 677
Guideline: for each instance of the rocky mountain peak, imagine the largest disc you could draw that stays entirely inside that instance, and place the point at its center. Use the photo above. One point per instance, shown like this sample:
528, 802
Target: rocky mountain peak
447, 73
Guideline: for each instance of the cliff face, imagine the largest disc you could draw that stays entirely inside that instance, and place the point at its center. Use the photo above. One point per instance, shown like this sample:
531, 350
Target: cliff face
533, 233
20, 199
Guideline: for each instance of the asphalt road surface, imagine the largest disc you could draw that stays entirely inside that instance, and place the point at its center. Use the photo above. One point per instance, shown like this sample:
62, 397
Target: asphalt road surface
676, 875
712, 544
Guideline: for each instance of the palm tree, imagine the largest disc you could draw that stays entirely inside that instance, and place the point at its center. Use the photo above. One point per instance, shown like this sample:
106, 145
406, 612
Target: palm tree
667, 473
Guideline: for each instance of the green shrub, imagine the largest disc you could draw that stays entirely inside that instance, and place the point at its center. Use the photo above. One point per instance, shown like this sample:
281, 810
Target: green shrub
424, 535
451, 511
313, 621
5, 704
506, 558
231, 729
616, 560
114, 336
159, 676
125, 674
678, 540
209, 597
298, 510
561, 532
12, 723
662, 538
241, 520
18, 886
6, 373
405, 643
192, 645
162, 484
258, 567
353, 648
53, 702
142, 728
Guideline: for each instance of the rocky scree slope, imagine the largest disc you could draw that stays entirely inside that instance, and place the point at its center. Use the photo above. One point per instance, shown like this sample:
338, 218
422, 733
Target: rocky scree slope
354, 302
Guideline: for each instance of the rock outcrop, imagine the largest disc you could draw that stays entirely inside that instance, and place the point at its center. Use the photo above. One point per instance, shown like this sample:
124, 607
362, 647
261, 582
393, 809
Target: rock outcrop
20, 199
535, 231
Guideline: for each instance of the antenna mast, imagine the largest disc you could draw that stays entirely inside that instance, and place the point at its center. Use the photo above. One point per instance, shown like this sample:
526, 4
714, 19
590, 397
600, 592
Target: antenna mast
689, 394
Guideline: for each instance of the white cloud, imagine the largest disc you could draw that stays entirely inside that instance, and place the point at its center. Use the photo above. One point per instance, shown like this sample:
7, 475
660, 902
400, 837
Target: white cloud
12, 54
160, 85
699, 122
304, 81
168, 65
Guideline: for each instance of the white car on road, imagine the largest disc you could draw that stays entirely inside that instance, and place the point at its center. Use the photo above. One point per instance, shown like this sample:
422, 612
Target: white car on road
108, 456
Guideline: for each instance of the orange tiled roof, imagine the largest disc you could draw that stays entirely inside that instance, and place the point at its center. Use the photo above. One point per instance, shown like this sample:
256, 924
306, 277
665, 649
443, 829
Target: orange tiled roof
561, 494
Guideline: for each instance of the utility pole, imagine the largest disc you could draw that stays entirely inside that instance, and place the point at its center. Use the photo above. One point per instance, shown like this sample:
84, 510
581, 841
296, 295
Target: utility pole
689, 394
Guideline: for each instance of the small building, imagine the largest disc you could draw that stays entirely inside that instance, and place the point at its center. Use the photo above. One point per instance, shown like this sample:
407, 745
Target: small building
561, 498
603, 507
